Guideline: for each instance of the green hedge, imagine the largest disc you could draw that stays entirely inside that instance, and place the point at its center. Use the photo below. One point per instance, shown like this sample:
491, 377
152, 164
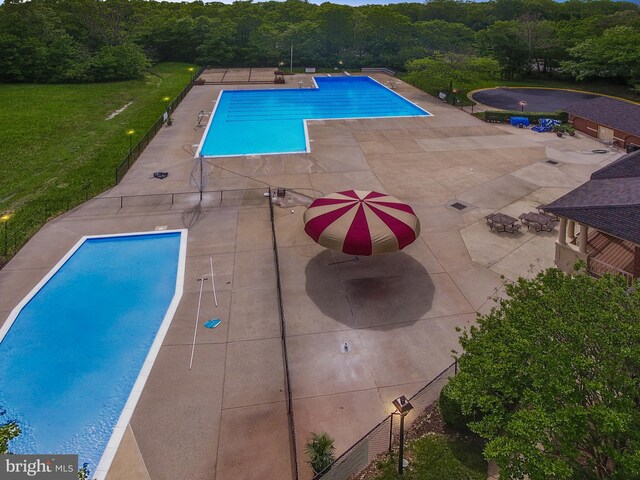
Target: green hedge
504, 116
460, 97
452, 412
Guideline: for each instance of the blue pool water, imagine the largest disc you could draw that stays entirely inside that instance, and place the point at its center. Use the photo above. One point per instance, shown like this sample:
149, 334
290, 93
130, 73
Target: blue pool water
272, 121
70, 359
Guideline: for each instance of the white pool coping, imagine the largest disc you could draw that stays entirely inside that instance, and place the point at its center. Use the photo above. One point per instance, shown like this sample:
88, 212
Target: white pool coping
127, 411
304, 121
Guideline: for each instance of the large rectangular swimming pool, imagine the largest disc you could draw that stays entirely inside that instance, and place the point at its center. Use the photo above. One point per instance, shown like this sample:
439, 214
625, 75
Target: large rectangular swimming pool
251, 122
76, 352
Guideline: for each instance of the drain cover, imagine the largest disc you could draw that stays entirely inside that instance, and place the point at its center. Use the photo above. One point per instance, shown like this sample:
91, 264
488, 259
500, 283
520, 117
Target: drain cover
599, 150
345, 347
458, 206
552, 162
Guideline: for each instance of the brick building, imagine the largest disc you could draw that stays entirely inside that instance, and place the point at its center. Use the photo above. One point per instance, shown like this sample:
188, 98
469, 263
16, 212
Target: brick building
608, 120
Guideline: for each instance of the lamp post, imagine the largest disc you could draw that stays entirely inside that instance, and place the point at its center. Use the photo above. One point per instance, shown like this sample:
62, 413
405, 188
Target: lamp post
403, 407
5, 219
455, 91
522, 104
340, 62
191, 70
130, 135
166, 107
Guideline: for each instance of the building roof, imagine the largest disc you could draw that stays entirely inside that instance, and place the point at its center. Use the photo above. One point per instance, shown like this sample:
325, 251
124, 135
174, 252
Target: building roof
616, 114
609, 201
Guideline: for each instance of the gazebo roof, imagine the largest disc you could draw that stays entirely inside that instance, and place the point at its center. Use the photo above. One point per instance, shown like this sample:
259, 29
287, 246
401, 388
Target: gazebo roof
609, 201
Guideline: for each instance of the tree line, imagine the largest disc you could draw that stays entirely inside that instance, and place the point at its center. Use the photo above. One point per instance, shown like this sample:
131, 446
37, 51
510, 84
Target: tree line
91, 40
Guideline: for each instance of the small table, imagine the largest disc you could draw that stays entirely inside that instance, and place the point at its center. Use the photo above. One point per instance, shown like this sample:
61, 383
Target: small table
541, 210
539, 221
502, 222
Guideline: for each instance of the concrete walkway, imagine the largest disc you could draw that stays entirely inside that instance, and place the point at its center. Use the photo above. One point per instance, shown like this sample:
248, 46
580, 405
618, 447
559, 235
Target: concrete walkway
227, 417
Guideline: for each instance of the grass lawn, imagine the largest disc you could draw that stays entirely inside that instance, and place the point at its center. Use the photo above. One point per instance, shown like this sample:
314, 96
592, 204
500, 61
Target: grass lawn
58, 146
438, 457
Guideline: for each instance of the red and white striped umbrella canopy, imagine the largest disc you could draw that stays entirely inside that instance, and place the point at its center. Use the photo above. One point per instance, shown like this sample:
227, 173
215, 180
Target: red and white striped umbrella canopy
360, 222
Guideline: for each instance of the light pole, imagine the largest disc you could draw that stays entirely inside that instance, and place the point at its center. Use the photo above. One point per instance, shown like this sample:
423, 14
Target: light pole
191, 69
455, 91
403, 407
522, 104
130, 135
5, 219
166, 107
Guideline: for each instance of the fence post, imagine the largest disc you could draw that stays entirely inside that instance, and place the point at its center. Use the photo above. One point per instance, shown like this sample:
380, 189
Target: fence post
390, 431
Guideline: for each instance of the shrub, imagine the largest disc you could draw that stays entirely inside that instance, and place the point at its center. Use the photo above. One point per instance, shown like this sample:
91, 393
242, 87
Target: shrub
320, 451
504, 116
452, 412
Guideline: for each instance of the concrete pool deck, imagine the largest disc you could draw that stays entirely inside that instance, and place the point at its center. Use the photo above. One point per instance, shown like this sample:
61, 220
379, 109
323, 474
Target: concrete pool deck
227, 417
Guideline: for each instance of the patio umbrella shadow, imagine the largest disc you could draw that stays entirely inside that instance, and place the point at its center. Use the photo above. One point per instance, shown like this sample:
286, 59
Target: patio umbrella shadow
378, 291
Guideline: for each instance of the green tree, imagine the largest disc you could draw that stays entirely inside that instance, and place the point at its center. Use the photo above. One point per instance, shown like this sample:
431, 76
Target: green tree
448, 70
554, 372
504, 42
8, 432
118, 63
615, 54
438, 35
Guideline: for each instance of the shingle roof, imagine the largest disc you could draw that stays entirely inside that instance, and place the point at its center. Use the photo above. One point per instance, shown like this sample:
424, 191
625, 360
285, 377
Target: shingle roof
625, 167
616, 114
609, 202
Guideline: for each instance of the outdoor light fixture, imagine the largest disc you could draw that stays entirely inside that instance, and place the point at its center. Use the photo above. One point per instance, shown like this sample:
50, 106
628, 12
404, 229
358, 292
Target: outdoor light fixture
191, 69
130, 134
166, 107
4, 219
455, 91
403, 407
522, 104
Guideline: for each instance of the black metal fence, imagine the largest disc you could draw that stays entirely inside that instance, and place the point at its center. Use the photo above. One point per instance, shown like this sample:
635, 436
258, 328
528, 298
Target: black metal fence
285, 357
16, 231
383, 437
139, 147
